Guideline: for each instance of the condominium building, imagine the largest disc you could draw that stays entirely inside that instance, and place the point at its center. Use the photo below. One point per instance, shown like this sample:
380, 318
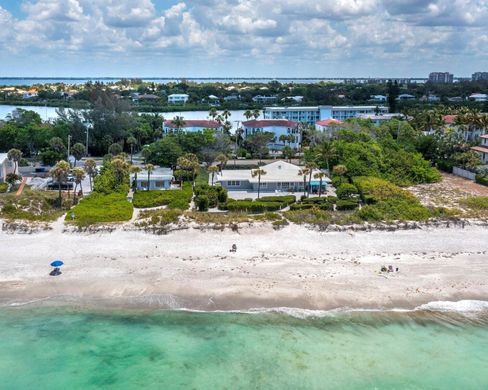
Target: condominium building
479, 76
441, 77
311, 115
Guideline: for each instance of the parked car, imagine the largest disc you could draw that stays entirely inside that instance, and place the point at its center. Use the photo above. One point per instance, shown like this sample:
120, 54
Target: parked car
54, 185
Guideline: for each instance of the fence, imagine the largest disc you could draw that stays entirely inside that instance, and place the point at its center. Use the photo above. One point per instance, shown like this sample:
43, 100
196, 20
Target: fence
463, 173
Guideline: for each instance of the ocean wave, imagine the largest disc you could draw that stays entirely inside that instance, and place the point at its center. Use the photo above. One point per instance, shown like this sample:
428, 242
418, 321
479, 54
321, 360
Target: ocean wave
464, 306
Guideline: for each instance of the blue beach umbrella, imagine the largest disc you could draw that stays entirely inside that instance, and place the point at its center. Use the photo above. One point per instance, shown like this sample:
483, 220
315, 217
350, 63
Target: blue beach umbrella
57, 263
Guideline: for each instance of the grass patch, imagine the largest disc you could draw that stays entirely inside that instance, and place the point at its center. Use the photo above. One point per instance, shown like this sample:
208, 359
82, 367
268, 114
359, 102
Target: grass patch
174, 199
219, 218
158, 218
32, 205
479, 203
101, 208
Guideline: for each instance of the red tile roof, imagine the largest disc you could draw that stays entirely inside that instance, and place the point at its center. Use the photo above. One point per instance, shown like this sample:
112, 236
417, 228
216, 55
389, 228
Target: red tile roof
449, 119
203, 123
484, 136
483, 149
269, 123
328, 122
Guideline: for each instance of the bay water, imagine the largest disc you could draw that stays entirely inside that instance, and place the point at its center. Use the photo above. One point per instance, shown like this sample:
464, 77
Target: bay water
67, 348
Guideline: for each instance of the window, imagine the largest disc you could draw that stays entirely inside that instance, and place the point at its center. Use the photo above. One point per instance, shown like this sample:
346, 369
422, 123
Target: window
233, 183
159, 183
264, 185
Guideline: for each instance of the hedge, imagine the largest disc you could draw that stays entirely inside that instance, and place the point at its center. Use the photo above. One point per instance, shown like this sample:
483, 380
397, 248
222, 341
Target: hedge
253, 206
347, 204
286, 200
483, 180
174, 199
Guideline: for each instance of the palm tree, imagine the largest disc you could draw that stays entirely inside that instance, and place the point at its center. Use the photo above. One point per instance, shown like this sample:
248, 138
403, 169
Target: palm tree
91, 170
283, 138
79, 175
213, 170
135, 170
339, 170
78, 151
222, 159
189, 162
248, 114
311, 167
178, 122
131, 141
258, 172
60, 173
14, 155
212, 113
256, 113
320, 176
327, 152
149, 168
226, 114
304, 172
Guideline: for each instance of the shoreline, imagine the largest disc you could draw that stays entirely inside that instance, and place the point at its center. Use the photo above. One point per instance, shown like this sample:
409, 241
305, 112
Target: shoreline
293, 267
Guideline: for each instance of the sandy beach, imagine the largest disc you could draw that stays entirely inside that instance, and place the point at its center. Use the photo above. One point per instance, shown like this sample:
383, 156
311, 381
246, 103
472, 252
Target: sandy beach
294, 267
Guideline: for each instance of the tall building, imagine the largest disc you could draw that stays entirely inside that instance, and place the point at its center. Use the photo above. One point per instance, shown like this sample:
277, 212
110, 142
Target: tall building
441, 77
478, 76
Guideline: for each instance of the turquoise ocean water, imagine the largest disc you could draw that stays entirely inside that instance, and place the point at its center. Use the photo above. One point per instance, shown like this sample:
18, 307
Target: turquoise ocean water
79, 349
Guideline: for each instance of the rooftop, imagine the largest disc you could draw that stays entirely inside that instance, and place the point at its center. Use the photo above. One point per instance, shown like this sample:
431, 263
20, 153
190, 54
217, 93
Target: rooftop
328, 122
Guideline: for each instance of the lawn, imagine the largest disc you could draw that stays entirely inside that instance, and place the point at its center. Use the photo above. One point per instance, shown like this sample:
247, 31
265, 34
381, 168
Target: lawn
101, 208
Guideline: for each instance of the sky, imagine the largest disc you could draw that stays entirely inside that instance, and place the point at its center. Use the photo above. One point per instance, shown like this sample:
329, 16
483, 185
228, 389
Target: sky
242, 38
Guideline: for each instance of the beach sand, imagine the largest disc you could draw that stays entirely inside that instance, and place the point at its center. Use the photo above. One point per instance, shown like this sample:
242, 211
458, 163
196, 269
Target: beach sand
294, 267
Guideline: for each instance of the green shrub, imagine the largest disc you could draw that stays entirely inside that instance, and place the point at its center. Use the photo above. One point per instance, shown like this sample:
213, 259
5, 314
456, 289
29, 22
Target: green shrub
201, 201
346, 191
481, 179
476, 202
174, 199
158, 218
302, 206
253, 207
347, 204
337, 181
101, 208
286, 200
310, 216
3, 188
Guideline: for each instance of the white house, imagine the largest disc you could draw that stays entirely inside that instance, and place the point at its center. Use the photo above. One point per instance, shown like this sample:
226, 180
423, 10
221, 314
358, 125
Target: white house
327, 125
260, 99
478, 97
6, 166
468, 133
191, 125
280, 177
279, 127
159, 179
405, 96
378, 98
482, 149
178, 98
311, 115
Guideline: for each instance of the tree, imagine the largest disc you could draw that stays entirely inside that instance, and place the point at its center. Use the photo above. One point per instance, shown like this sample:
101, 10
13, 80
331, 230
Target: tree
149, 168
258, 172
346, 191
178, 122
304, 172
57, 145
79, 175
131, 141
14, 155
212, 113
256, 113
164, 152
222, 159
91, 170
326, 152
288, 153
115, 149
320, 176
248, 114
12, 178
189, 162
257, 143
213, 170
339, 170
135, 170
311, 166
78, 151
59, 173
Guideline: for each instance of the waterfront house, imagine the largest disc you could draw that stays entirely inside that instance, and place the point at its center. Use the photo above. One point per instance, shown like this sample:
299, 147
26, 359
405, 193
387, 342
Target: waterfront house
482, 149
159, 179
469, 132
178, 98
279, 127
191, 125
478, 97
6, 166
259, 99
327, 125
280, 177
